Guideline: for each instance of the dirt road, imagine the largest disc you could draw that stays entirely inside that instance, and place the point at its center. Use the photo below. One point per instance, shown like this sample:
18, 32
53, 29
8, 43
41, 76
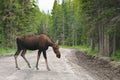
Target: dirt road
61, 69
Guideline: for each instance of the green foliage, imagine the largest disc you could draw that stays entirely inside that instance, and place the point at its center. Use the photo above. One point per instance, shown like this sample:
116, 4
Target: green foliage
65, 22
84, 48
93, 23
87, 22
6, 51
18, 18
76, 47
116, 57
93, 53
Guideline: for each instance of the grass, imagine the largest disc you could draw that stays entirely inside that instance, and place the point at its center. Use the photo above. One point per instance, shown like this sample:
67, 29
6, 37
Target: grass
93, 53
84, 48
116, 57
6, 51
76, 47
9, 51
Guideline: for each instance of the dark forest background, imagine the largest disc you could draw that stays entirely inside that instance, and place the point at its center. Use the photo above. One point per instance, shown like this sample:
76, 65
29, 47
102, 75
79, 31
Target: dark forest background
91, 23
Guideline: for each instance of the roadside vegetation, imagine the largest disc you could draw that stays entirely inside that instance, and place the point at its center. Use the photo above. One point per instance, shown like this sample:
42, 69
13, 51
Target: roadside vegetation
94, 52
90, 25
7, 51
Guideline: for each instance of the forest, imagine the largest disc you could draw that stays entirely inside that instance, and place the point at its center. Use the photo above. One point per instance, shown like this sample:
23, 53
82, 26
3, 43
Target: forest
91, 23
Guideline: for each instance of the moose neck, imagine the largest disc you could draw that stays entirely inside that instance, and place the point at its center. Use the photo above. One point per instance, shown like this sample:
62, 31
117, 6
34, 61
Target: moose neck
53, 46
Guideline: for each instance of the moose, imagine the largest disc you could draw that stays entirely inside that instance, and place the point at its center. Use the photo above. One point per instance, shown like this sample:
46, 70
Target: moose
37, 42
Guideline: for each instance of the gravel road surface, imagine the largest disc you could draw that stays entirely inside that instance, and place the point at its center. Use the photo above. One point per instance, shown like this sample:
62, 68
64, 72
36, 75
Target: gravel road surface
61, 69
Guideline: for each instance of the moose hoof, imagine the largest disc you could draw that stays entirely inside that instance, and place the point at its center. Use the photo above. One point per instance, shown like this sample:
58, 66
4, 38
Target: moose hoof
48, 69
18, 68
37, 68
29, 66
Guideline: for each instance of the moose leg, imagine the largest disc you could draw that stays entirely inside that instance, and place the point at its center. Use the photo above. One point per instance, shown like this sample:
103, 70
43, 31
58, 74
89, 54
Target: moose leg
15, 56
23, 55
38, 57
45, 57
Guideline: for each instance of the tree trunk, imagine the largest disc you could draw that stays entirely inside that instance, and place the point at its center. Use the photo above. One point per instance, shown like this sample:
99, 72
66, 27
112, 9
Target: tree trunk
63, 31
73, 34
106, 45
101, 42
92, 44
114, 45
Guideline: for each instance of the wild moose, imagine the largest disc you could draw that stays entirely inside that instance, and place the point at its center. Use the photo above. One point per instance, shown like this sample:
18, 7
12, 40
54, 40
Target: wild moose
37, 42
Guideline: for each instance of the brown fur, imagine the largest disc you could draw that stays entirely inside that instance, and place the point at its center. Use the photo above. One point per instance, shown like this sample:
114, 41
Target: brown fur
38, 42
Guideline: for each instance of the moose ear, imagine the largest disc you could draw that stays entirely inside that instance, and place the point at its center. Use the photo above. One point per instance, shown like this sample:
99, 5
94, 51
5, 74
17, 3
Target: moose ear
57, 42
